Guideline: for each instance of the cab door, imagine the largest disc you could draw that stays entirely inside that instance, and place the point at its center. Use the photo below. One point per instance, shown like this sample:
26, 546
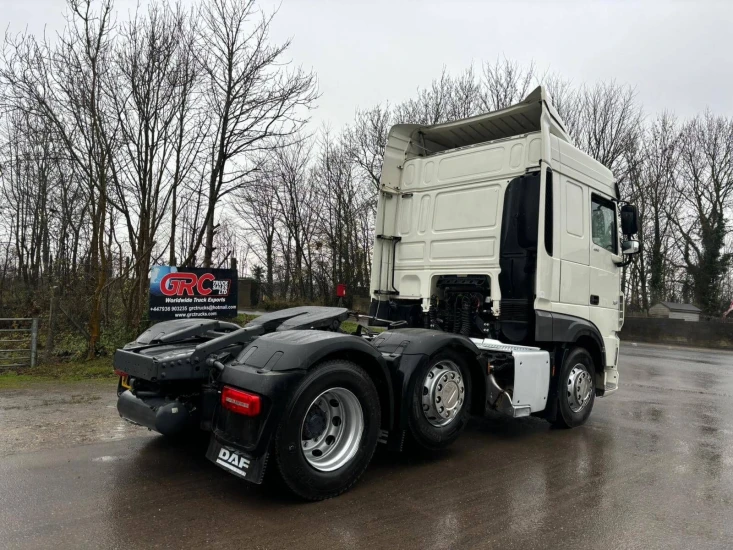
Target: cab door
605, 283
604, 253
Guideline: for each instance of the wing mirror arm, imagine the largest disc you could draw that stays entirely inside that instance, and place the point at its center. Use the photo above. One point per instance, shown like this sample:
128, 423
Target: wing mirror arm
628, 249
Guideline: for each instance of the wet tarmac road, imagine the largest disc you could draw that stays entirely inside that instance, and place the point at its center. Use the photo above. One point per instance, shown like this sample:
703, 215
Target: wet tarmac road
653, 468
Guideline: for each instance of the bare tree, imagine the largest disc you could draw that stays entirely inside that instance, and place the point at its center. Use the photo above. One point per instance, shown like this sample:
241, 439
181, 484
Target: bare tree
299, 208
566, 98
446, 98
256, 204
505, 83
192, 126
366, 140
430, 105
706, 190
28, 191
656, 195
65, 85
609, 125
346, 216
252, 94
147, 105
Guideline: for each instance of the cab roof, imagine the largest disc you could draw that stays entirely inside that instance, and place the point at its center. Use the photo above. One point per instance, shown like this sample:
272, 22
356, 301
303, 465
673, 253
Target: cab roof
522, 118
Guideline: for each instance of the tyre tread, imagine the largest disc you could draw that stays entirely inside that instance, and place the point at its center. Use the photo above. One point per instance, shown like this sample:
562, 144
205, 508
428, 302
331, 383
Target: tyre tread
314, 496
560, 421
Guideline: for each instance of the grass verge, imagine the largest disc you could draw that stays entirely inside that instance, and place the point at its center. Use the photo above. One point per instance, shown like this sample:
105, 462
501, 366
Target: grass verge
100, 368
350, 327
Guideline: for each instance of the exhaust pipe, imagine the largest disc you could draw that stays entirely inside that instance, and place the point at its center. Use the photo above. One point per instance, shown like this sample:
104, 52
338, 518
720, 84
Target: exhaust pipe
165, 416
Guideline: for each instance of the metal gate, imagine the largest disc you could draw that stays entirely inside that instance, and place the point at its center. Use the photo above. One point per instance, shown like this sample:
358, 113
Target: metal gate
18, 343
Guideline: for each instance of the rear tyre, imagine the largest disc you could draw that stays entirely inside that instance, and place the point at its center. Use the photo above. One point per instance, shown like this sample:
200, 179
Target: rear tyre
329, 431
441, 401
576, 389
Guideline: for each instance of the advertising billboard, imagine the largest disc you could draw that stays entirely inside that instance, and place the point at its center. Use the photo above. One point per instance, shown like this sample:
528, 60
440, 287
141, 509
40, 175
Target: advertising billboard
178, 293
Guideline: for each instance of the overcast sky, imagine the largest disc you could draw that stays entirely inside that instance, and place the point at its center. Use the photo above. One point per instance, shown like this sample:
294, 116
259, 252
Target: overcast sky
676, 54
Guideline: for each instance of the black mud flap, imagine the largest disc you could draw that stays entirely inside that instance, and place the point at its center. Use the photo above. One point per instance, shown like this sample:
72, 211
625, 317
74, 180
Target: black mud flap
237, 462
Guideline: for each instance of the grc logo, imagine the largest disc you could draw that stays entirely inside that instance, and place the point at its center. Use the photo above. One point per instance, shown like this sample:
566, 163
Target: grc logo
185, 284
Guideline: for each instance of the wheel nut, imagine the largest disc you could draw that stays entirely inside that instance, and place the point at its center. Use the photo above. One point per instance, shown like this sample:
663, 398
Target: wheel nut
440, 387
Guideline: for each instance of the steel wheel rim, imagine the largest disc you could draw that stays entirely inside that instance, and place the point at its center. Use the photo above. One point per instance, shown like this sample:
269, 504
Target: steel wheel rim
443, 393
580, 386
332, 429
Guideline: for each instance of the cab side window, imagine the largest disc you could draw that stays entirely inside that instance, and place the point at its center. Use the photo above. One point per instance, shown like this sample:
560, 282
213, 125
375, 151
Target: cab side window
603, 222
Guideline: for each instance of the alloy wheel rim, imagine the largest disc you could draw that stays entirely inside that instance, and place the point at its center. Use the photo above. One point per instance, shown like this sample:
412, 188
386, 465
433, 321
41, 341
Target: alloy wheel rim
580, 386
332, 429
443, 393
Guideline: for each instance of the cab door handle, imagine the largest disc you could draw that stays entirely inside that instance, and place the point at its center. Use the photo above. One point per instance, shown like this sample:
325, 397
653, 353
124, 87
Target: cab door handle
594, 300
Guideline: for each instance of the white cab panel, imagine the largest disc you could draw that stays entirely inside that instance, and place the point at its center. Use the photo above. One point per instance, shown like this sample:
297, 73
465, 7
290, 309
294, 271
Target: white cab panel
466, 209
574, 283
574, 227
448, 215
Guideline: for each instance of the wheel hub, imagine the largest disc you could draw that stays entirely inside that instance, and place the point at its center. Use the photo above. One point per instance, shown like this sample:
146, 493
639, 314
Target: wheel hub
443, 393
579, 388
315, 423
331, 430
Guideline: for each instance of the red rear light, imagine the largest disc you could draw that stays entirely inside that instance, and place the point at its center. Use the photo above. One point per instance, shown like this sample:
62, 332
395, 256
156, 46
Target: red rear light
240, 402
120, 373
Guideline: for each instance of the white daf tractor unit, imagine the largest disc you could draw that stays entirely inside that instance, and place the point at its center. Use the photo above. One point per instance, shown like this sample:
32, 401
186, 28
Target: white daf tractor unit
497, 262
499, 229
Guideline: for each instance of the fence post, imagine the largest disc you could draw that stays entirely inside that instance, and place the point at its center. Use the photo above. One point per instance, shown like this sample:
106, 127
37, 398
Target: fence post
51, 323
34, 342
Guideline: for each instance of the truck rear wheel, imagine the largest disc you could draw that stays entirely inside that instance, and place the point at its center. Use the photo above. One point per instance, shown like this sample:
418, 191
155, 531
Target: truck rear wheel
441, 401
576, 389
329, 432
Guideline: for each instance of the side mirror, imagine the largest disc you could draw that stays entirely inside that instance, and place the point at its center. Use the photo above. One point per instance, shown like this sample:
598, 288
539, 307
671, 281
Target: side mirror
630, 247
629, 220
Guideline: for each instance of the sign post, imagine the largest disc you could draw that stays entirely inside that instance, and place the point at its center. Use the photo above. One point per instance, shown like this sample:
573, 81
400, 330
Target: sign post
179, 293
341, 293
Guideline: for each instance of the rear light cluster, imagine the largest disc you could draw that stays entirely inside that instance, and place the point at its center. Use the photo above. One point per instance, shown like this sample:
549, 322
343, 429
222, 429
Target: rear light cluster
240, 402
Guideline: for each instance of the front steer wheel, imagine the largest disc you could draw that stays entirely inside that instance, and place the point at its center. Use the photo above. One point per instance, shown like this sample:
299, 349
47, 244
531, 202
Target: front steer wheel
576, 389
329, 431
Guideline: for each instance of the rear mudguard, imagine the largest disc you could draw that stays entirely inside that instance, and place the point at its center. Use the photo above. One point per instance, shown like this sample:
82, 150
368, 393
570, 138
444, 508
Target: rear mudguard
273, 367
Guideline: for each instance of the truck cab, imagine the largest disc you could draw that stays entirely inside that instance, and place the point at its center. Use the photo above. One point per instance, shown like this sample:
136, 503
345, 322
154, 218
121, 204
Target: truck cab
498, 227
